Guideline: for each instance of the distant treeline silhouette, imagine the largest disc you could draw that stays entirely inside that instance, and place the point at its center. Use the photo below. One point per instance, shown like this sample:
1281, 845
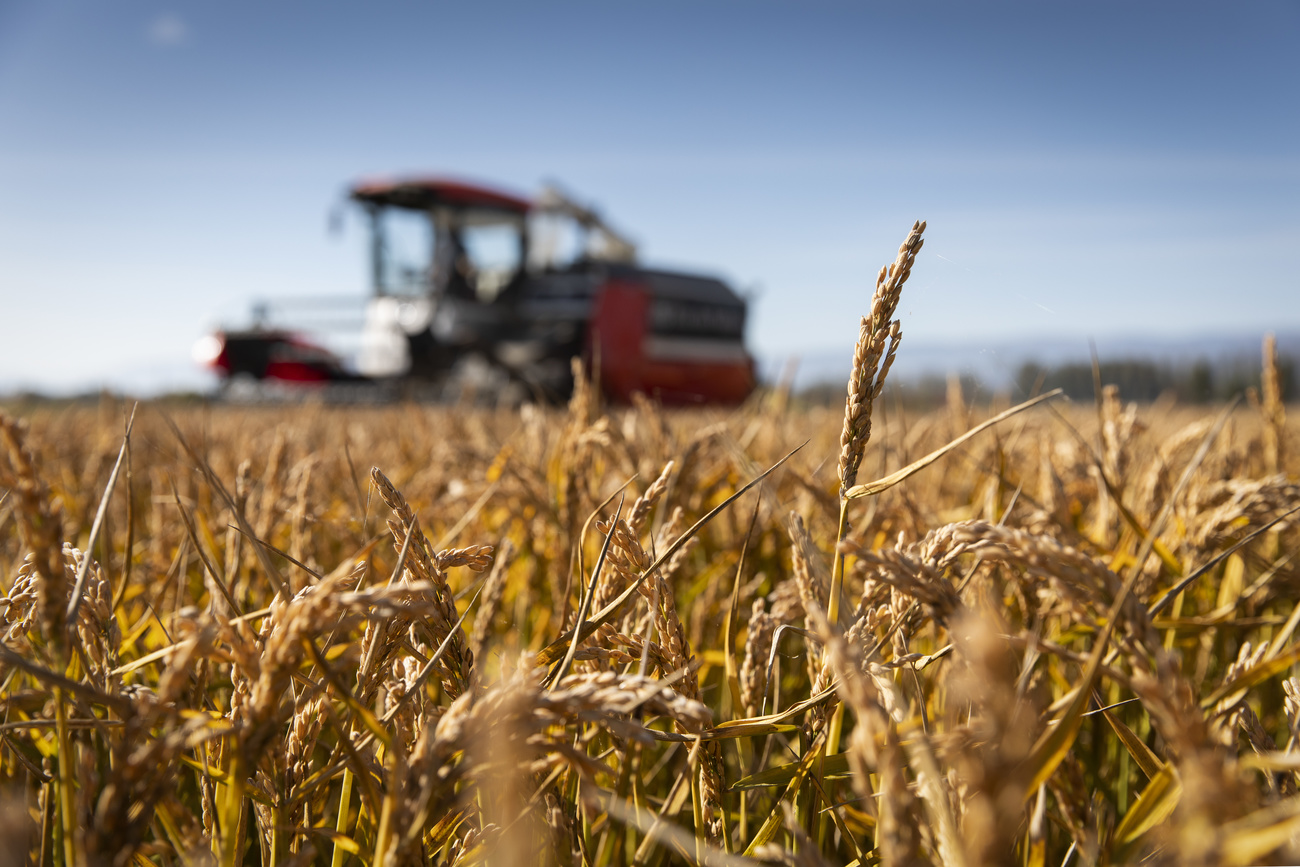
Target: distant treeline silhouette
1198, 382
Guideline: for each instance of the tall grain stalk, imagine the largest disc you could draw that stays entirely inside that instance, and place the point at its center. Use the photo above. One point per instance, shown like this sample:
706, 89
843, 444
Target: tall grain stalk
878, 336
1272, 407
40, 524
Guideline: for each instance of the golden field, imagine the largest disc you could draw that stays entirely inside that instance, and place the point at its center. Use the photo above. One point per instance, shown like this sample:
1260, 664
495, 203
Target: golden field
1069, 638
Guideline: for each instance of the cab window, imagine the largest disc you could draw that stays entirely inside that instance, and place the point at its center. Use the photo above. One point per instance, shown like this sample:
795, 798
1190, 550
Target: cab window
403, 251
494, 256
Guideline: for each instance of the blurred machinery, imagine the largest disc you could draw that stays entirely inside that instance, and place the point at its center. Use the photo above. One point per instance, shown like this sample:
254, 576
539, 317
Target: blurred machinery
465, 276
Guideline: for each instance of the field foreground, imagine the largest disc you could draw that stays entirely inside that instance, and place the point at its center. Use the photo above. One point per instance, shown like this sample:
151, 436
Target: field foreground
1050, 645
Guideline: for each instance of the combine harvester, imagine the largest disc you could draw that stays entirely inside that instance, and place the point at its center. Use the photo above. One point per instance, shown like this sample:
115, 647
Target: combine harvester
474, 284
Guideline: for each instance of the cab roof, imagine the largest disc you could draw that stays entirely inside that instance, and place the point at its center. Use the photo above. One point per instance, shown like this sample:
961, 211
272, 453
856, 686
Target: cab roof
425, 193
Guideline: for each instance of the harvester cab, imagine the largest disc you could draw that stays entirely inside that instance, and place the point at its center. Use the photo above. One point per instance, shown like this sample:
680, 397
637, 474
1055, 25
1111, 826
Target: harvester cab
462, 273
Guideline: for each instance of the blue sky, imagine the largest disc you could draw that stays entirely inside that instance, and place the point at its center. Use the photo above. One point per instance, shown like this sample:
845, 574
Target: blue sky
1086, 169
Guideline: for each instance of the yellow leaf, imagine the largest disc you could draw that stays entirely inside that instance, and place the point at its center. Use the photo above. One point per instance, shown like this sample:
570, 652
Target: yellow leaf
1141, 753
499, 462
774, 820
1234, 572
1235, 690
1152, 807
1249, 839
834, 766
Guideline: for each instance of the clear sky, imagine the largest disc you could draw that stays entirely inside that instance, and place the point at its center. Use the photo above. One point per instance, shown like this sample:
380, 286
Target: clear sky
1085, 168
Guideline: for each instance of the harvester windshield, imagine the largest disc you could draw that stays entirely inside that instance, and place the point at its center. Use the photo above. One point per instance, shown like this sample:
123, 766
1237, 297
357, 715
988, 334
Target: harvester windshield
432, 236
402, 247
494, 253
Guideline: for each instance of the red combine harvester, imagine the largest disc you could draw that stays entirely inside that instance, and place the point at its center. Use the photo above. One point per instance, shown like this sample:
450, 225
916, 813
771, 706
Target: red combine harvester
461, 271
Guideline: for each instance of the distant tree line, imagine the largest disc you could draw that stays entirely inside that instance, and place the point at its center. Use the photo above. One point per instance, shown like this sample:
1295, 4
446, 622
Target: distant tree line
1197, 383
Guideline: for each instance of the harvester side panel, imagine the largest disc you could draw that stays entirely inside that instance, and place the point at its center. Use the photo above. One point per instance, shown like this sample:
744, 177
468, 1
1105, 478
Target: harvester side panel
616, 334
677, 350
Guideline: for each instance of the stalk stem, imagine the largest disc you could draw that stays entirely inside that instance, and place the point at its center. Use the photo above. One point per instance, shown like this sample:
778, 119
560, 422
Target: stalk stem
278, 839
341, 823
837, 574
232, 811
67, 804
